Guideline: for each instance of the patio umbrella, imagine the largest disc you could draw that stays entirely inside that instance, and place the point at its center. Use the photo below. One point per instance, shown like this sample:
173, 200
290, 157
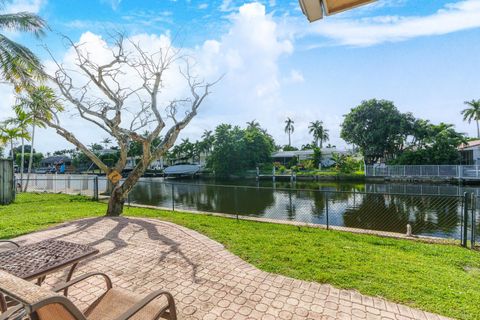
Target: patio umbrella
314, 9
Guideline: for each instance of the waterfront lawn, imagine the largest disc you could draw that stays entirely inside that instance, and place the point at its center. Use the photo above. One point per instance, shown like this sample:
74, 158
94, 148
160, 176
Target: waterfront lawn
437, 278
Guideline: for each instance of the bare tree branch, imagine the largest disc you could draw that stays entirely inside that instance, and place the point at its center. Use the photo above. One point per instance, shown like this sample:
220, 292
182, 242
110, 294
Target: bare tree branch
70, 137
108, 96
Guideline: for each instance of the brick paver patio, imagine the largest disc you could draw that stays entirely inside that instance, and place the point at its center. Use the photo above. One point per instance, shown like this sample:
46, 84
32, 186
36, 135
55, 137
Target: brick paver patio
207, 281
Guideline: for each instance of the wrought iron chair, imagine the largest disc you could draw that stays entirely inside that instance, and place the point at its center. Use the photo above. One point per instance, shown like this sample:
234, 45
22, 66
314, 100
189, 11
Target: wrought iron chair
39, 303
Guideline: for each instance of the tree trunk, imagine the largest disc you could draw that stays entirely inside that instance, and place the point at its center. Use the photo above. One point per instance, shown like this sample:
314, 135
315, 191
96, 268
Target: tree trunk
30, 160
289, 141
116, 202
22, 162
478, 130
120, 192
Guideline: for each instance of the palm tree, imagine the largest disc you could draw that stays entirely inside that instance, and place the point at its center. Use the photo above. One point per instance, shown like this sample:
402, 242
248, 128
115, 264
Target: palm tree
207, 141
320, 134
22, 122
289, 128
324, 136
106, 142
197, 150
40, 103
186, 149
472, 113
253, 124
9, 135
17, 63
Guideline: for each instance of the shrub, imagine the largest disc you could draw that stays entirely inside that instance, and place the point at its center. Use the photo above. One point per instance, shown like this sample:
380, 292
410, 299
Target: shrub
346, 164
307, 165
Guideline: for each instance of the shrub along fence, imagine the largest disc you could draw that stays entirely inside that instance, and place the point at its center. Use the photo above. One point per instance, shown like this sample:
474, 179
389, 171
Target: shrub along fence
399, 214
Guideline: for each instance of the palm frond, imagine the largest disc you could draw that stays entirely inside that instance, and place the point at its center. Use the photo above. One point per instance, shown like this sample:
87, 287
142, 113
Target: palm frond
19, 65
472, 113
24, 22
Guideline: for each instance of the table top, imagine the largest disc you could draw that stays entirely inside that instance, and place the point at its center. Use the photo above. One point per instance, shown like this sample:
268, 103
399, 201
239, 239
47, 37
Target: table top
41, 258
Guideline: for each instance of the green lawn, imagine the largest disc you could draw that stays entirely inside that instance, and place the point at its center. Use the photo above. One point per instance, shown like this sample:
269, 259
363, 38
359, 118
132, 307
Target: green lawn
437, 278
357, 174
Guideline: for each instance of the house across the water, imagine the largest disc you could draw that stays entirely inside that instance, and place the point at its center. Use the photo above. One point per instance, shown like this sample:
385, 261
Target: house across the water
470, 153
284, 157
59, 164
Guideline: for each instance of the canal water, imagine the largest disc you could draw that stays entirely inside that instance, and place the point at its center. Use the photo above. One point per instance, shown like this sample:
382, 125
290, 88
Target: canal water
431, 210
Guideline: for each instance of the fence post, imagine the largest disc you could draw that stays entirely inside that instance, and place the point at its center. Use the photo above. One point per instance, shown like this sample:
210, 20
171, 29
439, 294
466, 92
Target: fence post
466, 200
173, 198
235, 201
14, 193
95, 188
326, 210
473, 233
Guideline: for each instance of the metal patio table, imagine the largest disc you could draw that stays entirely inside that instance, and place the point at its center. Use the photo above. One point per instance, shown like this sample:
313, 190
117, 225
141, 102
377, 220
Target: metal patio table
37, 260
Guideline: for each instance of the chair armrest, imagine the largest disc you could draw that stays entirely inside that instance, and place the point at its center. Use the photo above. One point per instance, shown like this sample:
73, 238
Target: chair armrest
65, 285
149, 298
11, 242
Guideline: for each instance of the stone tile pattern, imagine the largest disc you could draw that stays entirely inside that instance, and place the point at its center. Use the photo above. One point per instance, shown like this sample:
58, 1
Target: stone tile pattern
207, 281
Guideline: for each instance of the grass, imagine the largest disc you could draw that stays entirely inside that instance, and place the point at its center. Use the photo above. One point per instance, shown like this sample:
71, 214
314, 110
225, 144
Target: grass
437, 278
322, 173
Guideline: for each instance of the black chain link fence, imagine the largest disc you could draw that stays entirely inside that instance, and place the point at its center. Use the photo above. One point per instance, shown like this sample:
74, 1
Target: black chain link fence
425, 212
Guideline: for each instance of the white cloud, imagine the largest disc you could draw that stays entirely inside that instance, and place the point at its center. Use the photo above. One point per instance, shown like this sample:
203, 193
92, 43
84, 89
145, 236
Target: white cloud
32, 6
295, 76
248, 54
113, 3
226, 6
98, 50
452, 17
203, 6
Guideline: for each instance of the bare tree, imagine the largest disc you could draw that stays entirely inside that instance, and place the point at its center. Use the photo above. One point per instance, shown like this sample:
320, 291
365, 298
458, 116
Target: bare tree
122, 97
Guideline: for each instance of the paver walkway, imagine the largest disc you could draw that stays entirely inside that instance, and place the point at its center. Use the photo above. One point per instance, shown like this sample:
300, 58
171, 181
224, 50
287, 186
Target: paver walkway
207, 281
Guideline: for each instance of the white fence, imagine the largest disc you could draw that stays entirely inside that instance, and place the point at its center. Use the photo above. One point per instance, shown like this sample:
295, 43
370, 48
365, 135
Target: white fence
88, 185
429, 171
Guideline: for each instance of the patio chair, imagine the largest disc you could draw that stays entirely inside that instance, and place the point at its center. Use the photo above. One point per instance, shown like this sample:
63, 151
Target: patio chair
39, 303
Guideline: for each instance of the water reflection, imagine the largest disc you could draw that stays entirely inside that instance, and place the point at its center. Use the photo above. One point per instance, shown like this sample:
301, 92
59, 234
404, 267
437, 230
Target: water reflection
383, 207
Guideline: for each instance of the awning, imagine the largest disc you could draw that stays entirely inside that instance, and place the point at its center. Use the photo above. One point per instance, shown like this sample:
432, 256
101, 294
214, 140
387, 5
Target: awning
315, 9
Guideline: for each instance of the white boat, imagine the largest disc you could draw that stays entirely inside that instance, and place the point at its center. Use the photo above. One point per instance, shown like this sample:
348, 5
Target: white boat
182, 170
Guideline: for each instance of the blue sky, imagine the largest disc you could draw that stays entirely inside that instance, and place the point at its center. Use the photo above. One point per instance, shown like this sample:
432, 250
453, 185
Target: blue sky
423, 55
